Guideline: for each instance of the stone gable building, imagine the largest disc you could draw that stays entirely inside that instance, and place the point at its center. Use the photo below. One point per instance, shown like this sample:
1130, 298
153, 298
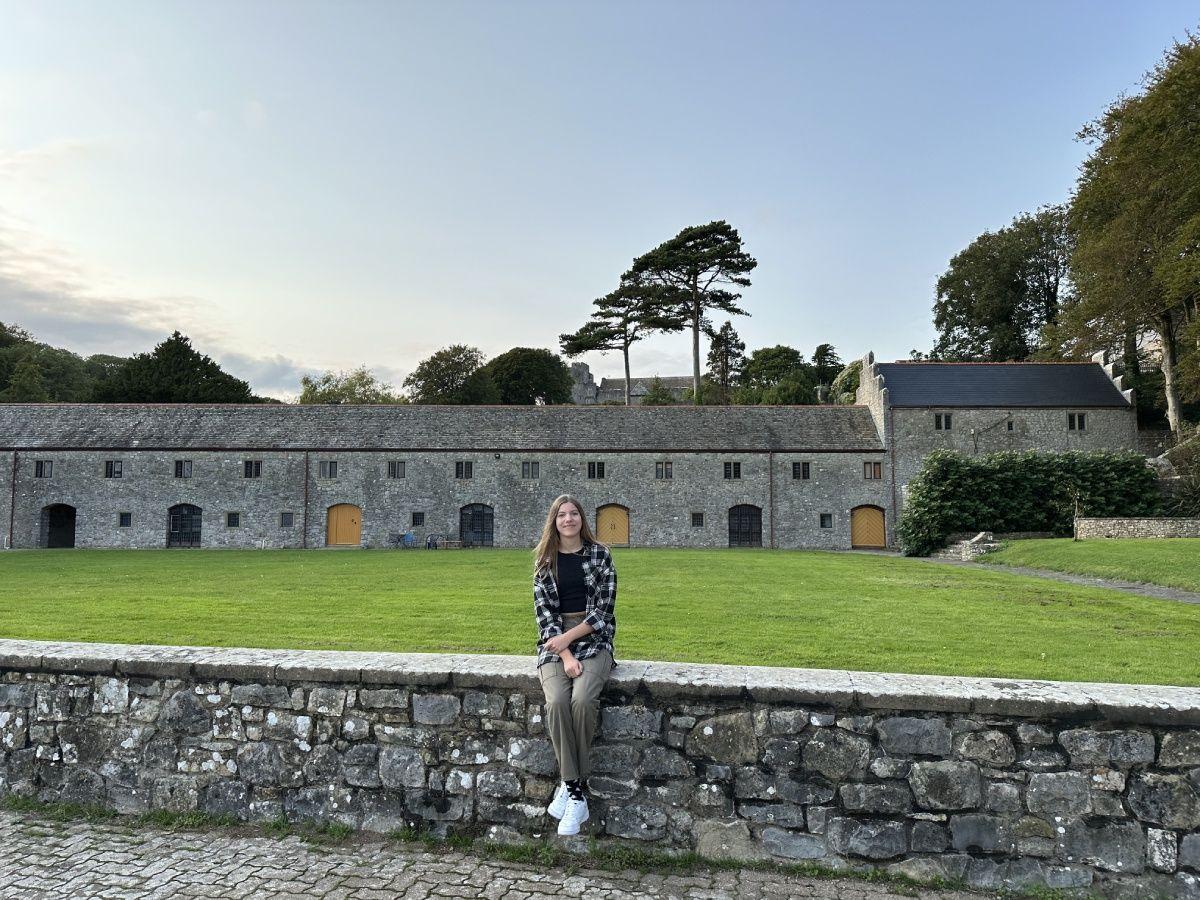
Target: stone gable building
826, 477
586, 391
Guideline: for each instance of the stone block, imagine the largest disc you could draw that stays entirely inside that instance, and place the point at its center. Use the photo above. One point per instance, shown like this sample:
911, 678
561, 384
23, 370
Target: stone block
327, 701
1180, 749
1058, 794
499, 783
660, 762
383, 698
727, 739
360, 766
837, 754
259, 695
1034, 735
946, 785
629, 722
929, 837
1168, 800
1162, 850
401, 767
1189, 851
1114, 847
724, 840
534, 755
792, 845
787, 815
788, 721
478, 703
435, 709
973, 831
867, 838
876, 798
907, 735
638, 821
1003, 798
988, 748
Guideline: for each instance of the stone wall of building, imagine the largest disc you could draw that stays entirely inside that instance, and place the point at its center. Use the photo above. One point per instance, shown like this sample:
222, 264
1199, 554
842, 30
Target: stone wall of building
1137, 528
1004, 783
979, 431
6, 492
660, 510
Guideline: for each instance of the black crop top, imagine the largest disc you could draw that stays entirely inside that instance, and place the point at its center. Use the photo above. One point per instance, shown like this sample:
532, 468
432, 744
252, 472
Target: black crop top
572, 592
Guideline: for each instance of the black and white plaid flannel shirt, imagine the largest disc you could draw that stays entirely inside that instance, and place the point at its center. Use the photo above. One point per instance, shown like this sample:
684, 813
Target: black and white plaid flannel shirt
600, 580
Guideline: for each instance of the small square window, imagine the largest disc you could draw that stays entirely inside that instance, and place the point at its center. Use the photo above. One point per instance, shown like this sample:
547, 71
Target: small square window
287, 520
43, 468
252, 468
396, 468
733, 470
418, 519
664, 470
328, 468
183, 468
801, 470
531, 470
872, 471
826, 520
124, 520
1076, 421
233, 520
595, 470
941, 421
697, 520
113, 468
464, 469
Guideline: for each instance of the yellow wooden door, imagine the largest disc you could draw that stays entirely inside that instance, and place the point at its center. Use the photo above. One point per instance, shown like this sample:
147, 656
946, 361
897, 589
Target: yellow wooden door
343, 526
612, 525
866, 528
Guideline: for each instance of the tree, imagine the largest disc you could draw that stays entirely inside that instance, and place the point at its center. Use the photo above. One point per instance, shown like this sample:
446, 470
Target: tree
1001, 291
622, 318
844, 390
777, 375
726, 356
827, 363
357, 386
173, 372
1135, 214
26, 384
13, 334
445, 377
525, 376
657, 394
698, 270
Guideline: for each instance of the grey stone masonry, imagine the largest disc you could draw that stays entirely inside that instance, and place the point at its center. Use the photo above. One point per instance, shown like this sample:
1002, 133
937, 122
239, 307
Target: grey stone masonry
1137, 528
1004, 783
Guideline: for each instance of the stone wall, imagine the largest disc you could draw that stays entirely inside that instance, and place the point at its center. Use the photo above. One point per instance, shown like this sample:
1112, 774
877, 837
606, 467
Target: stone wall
1137, 528
6, 488
1003, 783
659, 509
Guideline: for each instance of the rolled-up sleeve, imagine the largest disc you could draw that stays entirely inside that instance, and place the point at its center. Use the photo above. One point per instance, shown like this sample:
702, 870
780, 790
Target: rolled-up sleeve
545, 609
602, 617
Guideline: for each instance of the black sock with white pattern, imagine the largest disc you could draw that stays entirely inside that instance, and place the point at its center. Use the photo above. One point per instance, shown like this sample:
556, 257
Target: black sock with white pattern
575, 789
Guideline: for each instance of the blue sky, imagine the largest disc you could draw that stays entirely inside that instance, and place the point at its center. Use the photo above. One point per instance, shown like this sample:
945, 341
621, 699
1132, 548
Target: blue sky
303, 186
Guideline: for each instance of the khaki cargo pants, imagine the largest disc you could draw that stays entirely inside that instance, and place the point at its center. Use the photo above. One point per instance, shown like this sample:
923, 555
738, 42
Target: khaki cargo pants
573, 710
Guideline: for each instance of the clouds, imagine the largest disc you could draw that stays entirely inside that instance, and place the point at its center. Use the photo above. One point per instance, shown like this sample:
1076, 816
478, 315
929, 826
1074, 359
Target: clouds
58, 300
37, 163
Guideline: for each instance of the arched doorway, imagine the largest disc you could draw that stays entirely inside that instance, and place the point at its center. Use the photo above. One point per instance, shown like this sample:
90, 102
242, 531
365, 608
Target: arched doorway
57, 526
183, 526
745, 526
343, 526
612, 525
867, 528
475, 522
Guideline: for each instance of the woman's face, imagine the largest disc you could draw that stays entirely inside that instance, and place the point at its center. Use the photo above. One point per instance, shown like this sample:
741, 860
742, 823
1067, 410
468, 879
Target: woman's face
568, 521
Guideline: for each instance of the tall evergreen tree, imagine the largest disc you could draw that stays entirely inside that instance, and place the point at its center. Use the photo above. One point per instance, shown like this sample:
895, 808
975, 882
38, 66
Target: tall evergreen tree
726, 356
699, 270
827, 364
26, 384
173, 372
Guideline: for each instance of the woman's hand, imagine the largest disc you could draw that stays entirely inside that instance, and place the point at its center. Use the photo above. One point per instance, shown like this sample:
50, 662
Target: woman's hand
572, 666
557, 645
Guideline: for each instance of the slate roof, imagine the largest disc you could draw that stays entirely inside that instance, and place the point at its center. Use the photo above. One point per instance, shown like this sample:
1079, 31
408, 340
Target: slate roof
999, 384
510, 428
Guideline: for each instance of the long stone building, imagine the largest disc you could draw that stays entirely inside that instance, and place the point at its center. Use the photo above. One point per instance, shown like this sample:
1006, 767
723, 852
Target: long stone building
833, 477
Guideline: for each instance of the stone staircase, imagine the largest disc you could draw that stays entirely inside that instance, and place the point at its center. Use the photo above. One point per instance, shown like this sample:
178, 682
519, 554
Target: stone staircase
966, 549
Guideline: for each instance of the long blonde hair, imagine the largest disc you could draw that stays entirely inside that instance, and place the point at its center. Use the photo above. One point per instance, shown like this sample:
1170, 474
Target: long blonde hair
545, 554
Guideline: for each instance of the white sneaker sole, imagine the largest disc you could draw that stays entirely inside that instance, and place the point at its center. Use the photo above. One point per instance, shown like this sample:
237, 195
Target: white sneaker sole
559, 811
567, 832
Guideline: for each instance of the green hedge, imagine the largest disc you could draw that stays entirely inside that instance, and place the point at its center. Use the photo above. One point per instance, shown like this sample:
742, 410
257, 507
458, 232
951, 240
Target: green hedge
1021, 492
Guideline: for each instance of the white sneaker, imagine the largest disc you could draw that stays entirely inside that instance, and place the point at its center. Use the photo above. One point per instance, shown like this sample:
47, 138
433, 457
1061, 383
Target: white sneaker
576, 814
558, 805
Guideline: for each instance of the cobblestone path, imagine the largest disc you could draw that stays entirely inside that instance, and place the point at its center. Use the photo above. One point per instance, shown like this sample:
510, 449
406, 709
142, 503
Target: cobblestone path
42, 859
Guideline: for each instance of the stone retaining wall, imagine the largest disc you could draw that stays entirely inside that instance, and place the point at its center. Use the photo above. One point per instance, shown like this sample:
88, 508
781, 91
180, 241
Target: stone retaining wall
1137, 528
1004, 783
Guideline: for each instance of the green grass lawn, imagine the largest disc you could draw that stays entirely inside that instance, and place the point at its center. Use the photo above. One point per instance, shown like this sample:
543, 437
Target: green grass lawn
1174, 562
779, 608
